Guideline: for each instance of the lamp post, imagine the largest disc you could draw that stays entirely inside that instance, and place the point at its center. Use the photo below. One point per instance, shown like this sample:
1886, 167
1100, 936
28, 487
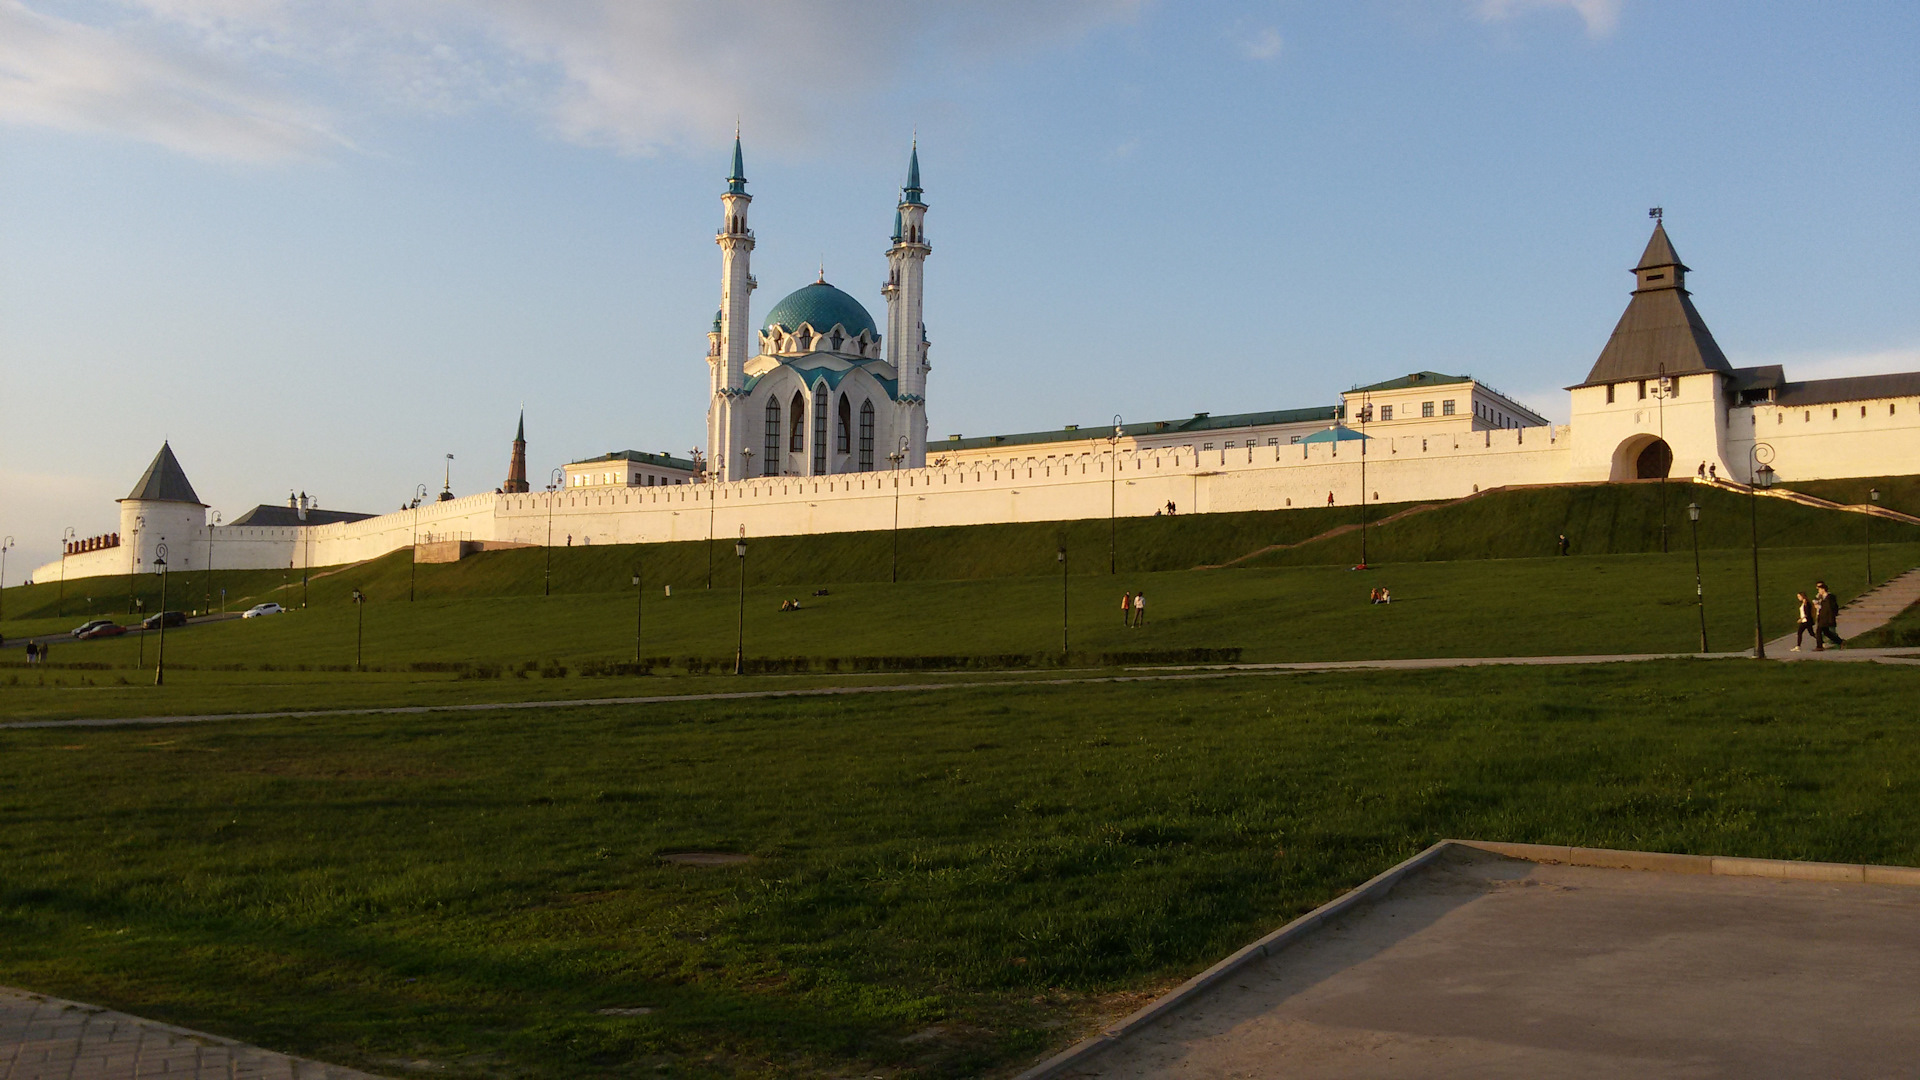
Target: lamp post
640, 594
210, 525
133, 559
413, 544
896, 457
1874, 495
60, 603
4, 545
1663, 387
554, 479
740, 643
359, 627
1113, 497
1061, 555
1759, 475
1699, 594
1366, 414
160, 661
711, 478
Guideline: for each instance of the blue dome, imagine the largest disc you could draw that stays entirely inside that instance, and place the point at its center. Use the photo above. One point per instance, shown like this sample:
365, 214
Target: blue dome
822, 306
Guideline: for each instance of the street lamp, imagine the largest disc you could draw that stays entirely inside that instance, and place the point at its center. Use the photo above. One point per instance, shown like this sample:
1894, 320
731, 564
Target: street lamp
895, 457
210, 525
359, 627
160, 662
1699, 594
640, 594
413, 543
1366, 414
554, 480
740, 644
66, 544
1873, 494
711, 477
1113, 497
1759, 475
4, 545
1061, 555
1662, 389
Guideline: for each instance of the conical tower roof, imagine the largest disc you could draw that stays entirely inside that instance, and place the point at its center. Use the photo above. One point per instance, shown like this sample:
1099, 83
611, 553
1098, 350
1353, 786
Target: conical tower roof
520, 433
1660, 330
164, 481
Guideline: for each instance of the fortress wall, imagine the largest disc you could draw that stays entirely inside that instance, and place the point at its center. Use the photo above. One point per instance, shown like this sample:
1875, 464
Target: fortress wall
98, 563
1007, 489
1812, 443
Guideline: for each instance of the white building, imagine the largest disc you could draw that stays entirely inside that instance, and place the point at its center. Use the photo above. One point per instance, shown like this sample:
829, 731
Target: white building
805, 425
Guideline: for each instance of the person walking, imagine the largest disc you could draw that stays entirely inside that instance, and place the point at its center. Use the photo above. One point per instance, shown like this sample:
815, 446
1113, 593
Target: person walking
1563, 543
1803, 624
1713, 472
1126, 608
1329, 498
1139, 610
1701, 472
1826, 616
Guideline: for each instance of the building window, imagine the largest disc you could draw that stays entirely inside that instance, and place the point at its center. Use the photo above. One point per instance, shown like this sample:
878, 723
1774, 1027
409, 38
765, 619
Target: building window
820, 431
866, 436
1273, 442
1426, 408
770, 461
1446, 408
1229, 444
1643, 389
796, 424
1386, 412
844, 441
1208, 446
1609, 393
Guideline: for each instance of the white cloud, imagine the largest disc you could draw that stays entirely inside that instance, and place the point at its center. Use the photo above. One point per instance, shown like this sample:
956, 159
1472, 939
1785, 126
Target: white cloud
63, 74
1601, 17
1264, 44
210, 76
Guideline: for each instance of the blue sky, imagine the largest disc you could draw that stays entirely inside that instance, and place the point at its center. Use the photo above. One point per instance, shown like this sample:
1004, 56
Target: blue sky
320, 246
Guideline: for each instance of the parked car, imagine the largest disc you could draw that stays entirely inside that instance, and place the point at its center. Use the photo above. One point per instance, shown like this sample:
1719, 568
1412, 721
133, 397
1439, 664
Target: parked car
104, 630
164, 618
262, 609
81, 630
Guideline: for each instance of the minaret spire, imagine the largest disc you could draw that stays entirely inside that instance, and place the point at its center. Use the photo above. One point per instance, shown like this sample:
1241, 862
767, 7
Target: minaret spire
906, 340
726, 435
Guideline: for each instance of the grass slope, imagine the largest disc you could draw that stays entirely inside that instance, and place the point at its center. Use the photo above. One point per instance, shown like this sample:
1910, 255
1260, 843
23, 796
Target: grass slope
947, 884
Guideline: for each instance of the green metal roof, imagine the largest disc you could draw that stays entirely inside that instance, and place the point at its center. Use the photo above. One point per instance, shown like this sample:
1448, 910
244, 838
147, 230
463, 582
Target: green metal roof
665, 461
1336, 433
822, 307
1199, 422
911, 193
737, 180
1418, 378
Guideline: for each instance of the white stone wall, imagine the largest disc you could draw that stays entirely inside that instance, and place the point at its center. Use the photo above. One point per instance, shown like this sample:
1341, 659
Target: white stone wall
1877, 437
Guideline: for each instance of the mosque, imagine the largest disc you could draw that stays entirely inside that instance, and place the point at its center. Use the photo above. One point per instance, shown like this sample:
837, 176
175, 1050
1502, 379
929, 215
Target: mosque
823, 428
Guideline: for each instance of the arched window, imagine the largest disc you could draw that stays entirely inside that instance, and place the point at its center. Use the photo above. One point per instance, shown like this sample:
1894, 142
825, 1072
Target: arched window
797, 424
770, 461
805, 339
844, 440
866, 436
820, 429
837, 340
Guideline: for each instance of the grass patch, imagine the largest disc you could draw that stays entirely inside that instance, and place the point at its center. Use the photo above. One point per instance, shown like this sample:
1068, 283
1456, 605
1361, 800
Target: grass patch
999, 868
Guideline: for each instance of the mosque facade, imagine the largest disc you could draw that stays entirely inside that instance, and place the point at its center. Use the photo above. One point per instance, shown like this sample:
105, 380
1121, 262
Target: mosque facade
817, 422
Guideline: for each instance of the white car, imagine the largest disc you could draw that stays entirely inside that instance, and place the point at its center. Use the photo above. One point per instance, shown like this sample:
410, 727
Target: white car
262, 609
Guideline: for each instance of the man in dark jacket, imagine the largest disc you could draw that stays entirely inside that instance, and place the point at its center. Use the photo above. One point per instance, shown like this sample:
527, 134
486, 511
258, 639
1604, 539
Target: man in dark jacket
1826, 616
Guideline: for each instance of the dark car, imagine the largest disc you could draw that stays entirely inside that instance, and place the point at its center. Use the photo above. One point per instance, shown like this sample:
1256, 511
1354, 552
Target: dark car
103, 630
167, 618
83, 628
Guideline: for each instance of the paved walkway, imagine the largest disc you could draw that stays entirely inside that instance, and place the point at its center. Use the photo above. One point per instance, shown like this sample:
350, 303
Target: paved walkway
43, 1038
1868, 611
1159, 674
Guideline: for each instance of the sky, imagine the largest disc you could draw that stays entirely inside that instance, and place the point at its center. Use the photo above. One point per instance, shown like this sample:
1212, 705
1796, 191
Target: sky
321, 246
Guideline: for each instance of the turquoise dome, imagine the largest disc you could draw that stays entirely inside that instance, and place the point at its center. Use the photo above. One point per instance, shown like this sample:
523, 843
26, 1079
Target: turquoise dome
822, 306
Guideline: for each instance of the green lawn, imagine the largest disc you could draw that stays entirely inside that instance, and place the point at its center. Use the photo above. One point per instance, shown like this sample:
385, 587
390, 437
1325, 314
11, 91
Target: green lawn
943, 884
1526, 607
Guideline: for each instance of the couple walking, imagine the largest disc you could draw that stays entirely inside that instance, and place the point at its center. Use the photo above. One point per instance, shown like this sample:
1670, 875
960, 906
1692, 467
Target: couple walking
1817, 616
1133, 609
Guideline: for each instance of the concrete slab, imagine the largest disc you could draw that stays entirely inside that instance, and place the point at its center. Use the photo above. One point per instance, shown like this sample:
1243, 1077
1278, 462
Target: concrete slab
43, 1038
1476, 964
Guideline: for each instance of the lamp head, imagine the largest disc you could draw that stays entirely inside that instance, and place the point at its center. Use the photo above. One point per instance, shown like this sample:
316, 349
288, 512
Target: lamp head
1874, 494
359, 597
1060, 555
1764, 478
636, 577
1693, 511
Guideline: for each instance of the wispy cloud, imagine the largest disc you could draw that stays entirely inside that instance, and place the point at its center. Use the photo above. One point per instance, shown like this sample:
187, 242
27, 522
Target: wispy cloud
262, 79
63, 74
1601, 17
1264, 44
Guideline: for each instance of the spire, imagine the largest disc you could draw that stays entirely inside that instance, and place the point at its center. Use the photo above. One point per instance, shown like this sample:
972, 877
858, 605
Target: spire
737, 180
164, 481
911, 193
896, 226
1659, 251
520, 433
1660, 331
